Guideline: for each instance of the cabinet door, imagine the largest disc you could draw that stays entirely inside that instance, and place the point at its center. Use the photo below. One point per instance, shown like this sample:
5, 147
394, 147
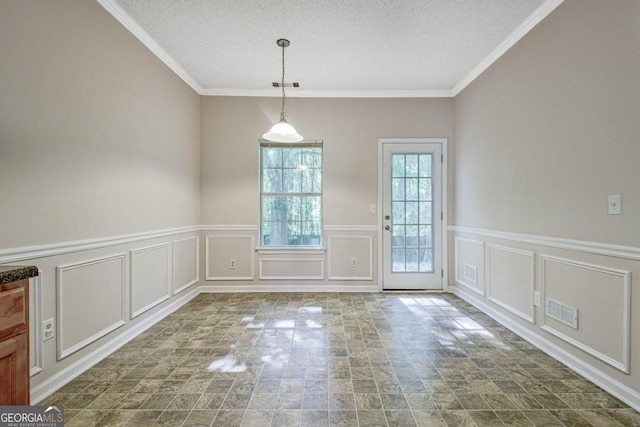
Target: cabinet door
14, 308
14, 371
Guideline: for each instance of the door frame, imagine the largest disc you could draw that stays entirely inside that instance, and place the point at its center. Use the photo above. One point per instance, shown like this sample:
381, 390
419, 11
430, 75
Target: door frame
444, 202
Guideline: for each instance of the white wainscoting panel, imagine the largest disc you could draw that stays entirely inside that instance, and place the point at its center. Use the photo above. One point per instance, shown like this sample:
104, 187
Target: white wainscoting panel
35, 324
150, 277
602, 296
291, 268
511, 279
342, 249
221, 249
90, 301
186, 263
602, 378
469, 256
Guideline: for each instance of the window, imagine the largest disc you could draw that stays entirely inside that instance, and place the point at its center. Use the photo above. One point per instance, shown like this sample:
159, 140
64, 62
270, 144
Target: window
290, 194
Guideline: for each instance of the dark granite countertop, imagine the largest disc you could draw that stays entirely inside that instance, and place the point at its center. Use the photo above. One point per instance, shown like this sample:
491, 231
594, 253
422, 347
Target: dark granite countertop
13, 273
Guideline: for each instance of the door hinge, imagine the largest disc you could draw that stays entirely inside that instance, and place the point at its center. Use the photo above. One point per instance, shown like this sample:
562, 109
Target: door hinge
441, 158
441, 215
442, 273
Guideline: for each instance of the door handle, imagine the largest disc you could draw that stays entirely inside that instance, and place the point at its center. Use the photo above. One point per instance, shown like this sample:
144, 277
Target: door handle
386, 227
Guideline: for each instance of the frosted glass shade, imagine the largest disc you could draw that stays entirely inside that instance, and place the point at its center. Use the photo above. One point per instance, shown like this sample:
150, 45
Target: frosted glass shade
283, 132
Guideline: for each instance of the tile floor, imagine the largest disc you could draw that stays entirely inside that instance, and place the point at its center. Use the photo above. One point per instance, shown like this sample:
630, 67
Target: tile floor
322, 359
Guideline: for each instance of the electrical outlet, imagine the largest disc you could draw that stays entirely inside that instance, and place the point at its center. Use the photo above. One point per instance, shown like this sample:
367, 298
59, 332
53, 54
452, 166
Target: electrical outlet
354, 262
372, 208
232, 263
48, 330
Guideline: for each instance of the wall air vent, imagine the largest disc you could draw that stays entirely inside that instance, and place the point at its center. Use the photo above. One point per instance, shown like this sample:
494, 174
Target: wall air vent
561, 312
471, 273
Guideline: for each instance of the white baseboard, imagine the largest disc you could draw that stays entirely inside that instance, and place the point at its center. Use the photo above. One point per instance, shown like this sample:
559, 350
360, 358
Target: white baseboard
283, 287
56, 381
623, 392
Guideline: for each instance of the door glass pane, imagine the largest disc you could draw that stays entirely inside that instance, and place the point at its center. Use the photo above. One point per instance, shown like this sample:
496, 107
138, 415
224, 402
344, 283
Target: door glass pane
425, 165
397, 210
425, 212
411, 165
424, 190
411, 191
398, 236
397, 189
397, 165
412, 213
412, 236
397, 261
412, 260
426, 260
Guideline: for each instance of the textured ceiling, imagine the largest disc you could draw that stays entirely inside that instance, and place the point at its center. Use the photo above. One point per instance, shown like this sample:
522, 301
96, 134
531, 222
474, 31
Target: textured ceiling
338, 47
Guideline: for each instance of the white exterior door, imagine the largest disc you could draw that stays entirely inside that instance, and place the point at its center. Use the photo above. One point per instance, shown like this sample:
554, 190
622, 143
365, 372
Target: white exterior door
412, 235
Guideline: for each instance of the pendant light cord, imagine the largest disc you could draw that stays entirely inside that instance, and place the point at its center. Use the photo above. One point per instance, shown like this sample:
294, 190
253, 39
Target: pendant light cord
282, 113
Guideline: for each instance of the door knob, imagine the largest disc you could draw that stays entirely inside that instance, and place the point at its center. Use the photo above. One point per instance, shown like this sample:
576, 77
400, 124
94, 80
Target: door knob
387, 217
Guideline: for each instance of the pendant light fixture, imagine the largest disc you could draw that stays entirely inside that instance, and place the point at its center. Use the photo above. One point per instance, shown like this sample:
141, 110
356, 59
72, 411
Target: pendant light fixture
283, 131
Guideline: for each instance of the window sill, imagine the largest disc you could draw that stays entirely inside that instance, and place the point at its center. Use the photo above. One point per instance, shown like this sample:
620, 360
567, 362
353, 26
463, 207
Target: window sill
310, 250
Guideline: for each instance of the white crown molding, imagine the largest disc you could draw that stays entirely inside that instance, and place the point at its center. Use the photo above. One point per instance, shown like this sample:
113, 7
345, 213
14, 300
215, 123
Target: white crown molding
40, 251
617, 251
448, 93
532, 20
130, 24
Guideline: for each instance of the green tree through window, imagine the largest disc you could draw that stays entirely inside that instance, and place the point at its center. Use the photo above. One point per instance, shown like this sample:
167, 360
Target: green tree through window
291, 194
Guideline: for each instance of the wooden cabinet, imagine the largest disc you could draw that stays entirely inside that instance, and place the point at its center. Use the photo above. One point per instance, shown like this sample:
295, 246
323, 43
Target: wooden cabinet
14, 343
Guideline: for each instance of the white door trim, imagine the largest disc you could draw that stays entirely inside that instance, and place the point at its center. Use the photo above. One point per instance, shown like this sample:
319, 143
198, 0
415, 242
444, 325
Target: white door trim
445, 187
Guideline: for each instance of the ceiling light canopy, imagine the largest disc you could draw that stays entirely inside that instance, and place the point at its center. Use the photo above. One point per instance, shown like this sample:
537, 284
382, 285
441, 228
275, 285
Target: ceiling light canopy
283, 131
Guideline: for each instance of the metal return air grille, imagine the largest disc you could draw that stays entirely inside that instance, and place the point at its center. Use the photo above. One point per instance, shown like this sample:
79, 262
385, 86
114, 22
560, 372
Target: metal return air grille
471, 273
562, 312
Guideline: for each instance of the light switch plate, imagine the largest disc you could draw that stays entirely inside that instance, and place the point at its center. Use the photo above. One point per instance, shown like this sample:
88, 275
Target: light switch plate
615, 204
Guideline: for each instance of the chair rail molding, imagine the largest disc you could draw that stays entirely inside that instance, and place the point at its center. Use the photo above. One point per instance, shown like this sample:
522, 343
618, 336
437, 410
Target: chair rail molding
618, 251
